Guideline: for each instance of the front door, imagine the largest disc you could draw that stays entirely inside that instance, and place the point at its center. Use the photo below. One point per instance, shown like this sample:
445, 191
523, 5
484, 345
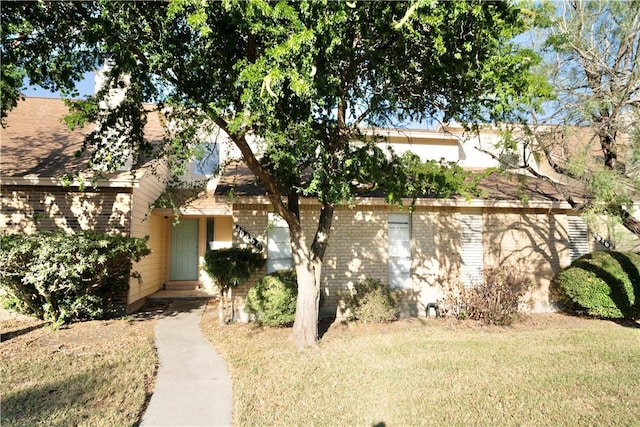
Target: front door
184, 251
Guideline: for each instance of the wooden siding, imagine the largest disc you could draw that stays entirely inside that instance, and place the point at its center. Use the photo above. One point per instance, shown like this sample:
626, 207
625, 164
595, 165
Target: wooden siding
151, 268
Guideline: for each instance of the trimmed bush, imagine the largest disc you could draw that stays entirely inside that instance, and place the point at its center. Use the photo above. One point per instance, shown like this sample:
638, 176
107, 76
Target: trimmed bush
272, 301
60, 277
370, 301
601, 284
231, 267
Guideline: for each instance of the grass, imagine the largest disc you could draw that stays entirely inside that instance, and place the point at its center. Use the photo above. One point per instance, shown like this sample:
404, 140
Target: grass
97, 373
551, 370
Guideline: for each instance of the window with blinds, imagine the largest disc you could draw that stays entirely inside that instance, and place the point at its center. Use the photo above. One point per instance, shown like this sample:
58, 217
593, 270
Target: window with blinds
472, 253
578, 236
278, 244
399, 226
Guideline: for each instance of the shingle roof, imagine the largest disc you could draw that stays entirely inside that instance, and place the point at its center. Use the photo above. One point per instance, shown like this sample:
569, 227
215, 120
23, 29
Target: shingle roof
498, 186
37, 142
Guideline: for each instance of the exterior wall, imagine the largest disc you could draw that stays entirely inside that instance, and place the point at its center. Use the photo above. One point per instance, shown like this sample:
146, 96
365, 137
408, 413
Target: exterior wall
26, 209
534, 242
152, 268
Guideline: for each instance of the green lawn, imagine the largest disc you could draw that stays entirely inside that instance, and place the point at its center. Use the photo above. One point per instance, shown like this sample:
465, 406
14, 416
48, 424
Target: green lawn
550, 370
97, 373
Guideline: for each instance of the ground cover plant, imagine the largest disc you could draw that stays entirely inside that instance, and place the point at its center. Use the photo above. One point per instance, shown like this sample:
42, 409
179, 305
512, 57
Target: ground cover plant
544, 370
95, 373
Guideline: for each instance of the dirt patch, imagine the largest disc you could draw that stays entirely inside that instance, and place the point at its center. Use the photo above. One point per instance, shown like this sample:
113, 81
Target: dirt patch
20, 333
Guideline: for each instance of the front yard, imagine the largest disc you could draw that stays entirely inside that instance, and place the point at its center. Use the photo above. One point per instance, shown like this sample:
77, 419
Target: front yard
549, 370
97, 373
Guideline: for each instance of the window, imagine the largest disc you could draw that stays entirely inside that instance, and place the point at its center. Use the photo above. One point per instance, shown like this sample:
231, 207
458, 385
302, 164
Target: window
207, 159
278, 244
399, 251
578, 236
472, 253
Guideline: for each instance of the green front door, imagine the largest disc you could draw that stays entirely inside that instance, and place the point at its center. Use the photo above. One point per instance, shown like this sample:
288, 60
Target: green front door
184, 250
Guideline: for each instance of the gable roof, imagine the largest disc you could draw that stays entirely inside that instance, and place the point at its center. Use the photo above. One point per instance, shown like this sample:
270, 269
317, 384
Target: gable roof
37, 143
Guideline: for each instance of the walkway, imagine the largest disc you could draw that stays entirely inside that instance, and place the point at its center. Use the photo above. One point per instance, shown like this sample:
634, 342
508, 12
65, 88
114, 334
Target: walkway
193, 387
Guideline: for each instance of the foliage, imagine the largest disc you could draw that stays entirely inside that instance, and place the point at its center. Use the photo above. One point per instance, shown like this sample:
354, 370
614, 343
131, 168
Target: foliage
60, 277
370, 301
601, 284
302, 76
272, 301
231, 267
591, 55
496, 301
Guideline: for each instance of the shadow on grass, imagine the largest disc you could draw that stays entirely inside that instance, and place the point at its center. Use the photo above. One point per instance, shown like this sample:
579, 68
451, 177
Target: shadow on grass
48, 403
6, 336
324, 324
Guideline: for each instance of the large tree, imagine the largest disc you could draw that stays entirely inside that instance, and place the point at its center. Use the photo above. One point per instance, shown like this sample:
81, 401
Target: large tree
302, 76
592, 59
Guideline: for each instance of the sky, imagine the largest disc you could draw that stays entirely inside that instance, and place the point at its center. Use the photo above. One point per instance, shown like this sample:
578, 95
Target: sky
85, 87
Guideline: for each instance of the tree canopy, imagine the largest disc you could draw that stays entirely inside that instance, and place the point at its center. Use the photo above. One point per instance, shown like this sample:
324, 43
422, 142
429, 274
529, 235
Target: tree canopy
303, 76
591, 52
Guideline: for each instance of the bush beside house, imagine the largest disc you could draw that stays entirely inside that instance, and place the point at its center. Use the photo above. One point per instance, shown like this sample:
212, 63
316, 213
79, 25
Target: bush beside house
231, 267
601, 284
61, 277
272, 301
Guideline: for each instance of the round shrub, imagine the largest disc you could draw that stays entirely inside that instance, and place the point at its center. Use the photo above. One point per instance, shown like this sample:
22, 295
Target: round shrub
370, 301
601, 284
272, 301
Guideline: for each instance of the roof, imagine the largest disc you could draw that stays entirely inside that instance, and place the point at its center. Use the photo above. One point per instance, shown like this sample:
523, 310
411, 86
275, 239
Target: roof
36, 142
239, 181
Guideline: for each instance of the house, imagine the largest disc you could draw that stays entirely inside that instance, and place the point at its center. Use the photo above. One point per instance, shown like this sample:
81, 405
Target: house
520, 221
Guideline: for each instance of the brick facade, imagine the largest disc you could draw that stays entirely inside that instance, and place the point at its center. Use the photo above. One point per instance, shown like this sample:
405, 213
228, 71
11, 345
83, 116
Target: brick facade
26, 209
534, 242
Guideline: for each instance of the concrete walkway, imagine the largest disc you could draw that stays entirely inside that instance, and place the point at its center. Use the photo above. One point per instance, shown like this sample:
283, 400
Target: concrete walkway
193, 387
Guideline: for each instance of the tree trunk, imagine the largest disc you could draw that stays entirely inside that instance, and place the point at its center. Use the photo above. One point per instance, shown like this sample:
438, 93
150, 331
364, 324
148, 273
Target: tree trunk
305, 326
630, 223
308, 266
221, 307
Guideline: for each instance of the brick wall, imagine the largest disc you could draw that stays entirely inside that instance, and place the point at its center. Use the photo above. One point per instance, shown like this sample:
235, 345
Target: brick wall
534, 242
26, 209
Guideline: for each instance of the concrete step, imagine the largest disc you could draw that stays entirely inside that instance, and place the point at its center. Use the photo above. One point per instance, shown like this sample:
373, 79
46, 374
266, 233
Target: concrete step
191, 294
181, 287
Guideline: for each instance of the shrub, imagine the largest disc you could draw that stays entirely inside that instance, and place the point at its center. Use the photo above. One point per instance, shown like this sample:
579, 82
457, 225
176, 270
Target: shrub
601, 284
370, 301
231, 267
272, 301
496, 301
60, 277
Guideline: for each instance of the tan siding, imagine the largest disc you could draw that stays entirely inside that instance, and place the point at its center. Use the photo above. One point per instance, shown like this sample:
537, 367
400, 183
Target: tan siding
223, 229
152, 268
533, 241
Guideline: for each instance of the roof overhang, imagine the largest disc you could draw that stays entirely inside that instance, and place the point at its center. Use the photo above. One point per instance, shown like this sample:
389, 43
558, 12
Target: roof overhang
118, 180
429, 202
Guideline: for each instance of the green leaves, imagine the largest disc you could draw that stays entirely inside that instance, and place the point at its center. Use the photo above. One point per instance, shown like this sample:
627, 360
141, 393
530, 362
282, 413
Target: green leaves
231, 267
63, 277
